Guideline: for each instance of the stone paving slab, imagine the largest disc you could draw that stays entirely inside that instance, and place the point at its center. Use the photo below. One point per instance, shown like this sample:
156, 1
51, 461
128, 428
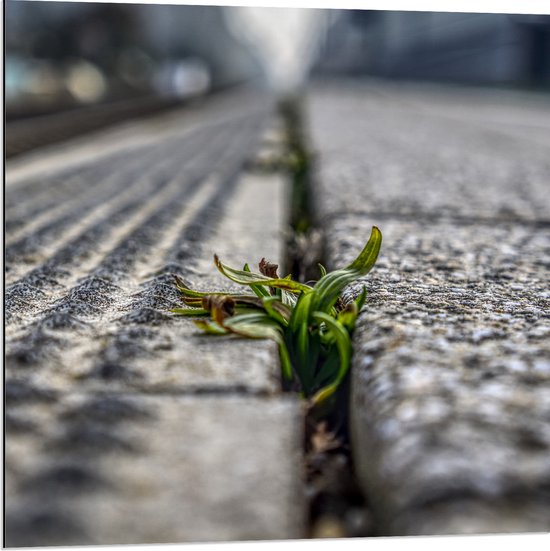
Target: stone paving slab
114, 468
385, 152
91, 249
450, 385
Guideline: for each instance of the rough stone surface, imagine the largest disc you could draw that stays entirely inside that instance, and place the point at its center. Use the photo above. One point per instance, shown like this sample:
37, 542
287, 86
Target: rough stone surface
112, 468
398, 151
450, 400
121, 414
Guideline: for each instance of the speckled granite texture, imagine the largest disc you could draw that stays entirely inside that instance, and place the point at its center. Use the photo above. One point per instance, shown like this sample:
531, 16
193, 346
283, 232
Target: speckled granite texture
450, 386
124, 423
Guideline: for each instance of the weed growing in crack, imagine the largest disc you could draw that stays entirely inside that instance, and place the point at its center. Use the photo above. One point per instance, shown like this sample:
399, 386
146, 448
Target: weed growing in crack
310, 324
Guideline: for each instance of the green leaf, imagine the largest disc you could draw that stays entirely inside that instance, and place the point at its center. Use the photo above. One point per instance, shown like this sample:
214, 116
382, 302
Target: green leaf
347, 316
360, 300
302, 363
190, 311
277, 310
300, 314
259, 317
330, 286
188, 292
250, 278
256, 325
257, 289
329, 369
286, 364
367, 258
309, 324
316, 354
343, 343
210, 327
261, 326
324, 393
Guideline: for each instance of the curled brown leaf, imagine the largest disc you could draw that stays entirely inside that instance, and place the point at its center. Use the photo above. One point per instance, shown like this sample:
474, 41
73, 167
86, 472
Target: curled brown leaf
268, 269
219, 306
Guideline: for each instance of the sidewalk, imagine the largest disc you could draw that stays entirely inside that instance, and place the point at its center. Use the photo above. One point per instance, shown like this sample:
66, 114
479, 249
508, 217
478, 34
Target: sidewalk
124, 423
450, 400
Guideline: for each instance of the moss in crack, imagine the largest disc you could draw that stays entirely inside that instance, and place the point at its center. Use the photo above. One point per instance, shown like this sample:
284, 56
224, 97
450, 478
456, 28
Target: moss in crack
304, 240
304, 248
301, 215
337, 506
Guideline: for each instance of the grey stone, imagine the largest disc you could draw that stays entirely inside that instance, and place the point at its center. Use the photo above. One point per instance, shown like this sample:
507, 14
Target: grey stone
387, 150
126, 424
450, 387
158, 469
447, 402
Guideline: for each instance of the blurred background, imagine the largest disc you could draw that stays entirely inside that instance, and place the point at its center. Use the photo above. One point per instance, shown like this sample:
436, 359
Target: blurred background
61, 55
67, 56
480, 49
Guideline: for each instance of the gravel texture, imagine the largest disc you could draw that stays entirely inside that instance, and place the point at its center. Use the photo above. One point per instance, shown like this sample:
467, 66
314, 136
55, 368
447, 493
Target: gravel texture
125, 424
120, 469
450, 385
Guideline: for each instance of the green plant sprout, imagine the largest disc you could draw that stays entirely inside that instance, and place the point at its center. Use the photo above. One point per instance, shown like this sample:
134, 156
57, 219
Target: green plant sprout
310, 324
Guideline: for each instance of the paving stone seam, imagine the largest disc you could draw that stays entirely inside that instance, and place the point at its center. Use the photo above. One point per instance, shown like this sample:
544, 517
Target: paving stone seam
435, 218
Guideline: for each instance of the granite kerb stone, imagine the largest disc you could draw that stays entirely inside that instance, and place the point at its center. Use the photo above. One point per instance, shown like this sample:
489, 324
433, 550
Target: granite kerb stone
126, 424
380, 152
450, 382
